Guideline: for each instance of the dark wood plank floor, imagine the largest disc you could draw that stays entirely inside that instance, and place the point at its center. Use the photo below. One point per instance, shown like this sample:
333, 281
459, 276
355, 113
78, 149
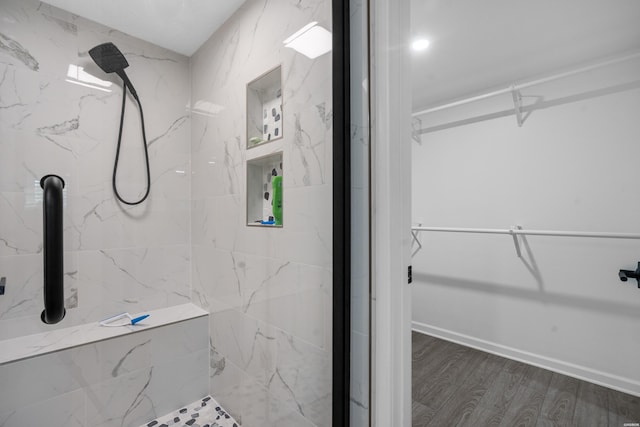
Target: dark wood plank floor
455, 385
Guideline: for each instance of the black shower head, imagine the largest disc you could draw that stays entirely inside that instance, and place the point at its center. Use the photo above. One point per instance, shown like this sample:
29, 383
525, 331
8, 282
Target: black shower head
108, 57
111, 60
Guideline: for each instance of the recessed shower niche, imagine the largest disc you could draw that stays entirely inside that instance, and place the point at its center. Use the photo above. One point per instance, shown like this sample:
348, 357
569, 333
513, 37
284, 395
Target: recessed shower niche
264, 108
264, 191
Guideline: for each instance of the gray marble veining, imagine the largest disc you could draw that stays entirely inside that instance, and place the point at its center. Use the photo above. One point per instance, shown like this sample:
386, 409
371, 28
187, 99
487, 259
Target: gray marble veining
54, 122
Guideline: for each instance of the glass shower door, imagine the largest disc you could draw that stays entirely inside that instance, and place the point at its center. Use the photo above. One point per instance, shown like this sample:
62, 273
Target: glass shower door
231, 254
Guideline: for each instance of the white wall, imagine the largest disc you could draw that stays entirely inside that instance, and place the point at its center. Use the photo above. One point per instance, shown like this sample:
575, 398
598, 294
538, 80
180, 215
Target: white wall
569, 167
390, 105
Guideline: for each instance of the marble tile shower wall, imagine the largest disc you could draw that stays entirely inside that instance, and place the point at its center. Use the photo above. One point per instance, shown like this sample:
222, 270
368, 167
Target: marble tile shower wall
116, 258
268, 290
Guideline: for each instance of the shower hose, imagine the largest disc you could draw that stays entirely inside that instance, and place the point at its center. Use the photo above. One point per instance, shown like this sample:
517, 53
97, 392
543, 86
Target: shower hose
146, 152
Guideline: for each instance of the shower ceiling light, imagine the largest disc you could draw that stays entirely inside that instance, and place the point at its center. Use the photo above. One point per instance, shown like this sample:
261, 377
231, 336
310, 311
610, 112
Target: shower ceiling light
311, 40
206, 108
420, 44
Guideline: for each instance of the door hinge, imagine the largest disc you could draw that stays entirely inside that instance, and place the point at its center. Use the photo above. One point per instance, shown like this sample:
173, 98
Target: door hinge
410, 275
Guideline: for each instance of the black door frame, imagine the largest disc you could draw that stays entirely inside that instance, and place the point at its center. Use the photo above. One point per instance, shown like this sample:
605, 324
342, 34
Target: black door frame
341, 214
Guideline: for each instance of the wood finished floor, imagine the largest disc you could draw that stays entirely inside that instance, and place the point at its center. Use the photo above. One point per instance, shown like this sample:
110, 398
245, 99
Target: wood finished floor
455, 385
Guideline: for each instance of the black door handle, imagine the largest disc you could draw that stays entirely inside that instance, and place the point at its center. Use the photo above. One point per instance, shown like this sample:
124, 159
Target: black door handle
624, 275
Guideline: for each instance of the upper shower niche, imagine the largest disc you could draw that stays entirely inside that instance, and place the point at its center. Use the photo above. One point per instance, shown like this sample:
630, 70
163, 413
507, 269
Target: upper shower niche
264, 108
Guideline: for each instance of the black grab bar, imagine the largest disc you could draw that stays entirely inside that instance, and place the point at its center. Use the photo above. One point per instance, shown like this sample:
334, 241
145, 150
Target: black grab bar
52, 249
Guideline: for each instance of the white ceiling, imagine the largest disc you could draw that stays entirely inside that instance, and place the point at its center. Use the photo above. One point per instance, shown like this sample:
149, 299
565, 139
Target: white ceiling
481, 45
179, 25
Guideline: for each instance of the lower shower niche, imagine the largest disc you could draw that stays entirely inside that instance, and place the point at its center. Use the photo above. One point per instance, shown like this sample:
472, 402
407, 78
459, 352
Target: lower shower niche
205, 412
264, 191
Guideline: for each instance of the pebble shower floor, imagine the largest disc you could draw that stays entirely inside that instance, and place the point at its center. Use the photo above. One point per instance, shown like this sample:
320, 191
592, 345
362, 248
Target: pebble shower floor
202, 413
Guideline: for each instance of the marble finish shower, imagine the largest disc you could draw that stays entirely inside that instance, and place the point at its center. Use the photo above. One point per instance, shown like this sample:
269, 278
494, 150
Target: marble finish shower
237, 312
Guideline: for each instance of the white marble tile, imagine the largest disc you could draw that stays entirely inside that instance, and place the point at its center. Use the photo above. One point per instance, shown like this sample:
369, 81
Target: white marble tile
24, 290
56, 111
360, 231
137, 279
359, 157
217, 274
359, 394
36, 40
97, 222
358, 416
203, 222
64, 410
309, 246
179, 339
259, 349
219, 221
309, 219
179, 381
168, 159
301, 378
125, 400
26, 157
264, 278
124, 354
246, 342
294, 298
360, 304
310, 130
225, 380
301, 314
21, 225
218, 157
54, 374
223, 374
262, 408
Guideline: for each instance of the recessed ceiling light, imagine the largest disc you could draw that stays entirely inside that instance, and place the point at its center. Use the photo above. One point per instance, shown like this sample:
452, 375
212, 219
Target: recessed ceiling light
420, 44
311, 40
206, 108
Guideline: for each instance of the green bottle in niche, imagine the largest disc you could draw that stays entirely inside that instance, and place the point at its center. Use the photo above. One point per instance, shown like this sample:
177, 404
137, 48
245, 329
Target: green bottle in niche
276, 200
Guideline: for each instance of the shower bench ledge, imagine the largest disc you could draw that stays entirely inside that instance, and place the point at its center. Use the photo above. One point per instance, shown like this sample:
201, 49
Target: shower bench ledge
24, 347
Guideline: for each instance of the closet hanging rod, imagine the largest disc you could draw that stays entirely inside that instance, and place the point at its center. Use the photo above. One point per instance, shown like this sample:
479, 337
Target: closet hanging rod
519, 231
516, 87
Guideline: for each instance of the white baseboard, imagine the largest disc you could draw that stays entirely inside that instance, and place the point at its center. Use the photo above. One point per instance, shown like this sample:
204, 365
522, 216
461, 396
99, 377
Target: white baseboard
605, 379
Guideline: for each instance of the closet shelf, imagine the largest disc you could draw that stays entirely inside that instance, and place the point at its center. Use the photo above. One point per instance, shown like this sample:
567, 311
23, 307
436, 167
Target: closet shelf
514, 90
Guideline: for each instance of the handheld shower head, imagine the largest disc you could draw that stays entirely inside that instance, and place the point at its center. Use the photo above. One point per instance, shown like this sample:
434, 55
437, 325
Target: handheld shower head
109, 58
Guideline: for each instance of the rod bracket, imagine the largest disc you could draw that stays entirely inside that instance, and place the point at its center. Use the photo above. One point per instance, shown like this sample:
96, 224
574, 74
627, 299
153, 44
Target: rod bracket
414, 236
517, 104
416, 125
516, 242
